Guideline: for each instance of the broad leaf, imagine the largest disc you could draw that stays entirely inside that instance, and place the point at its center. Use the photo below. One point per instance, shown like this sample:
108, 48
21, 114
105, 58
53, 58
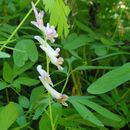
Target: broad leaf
85, 112
23, 101
99, 109
7, 72
110, 80
74, 41
27, 81
19, 70
3, 85
28, 51
8, 116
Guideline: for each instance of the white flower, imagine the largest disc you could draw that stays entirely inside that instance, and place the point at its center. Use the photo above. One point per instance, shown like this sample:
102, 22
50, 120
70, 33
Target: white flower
44, 74
46, 81
52, 54
50, 33
39, 18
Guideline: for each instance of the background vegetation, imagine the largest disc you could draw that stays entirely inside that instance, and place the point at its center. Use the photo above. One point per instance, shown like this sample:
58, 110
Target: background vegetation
94, 36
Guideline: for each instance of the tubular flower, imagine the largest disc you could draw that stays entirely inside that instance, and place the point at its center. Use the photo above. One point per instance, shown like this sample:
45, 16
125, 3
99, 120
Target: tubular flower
46, 81
39, 18
52, 54
50, 33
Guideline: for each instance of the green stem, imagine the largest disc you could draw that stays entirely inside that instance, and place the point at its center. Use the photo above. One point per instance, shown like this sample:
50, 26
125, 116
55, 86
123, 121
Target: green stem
15, 31
50, 109
50, 113
67, 78
15, 91
2, 42
75, 83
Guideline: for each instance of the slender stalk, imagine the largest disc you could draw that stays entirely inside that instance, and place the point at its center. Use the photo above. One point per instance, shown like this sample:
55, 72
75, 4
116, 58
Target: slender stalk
15, 91
75, 83
49, 96
67, 78
49, 99
50, 113
15, 31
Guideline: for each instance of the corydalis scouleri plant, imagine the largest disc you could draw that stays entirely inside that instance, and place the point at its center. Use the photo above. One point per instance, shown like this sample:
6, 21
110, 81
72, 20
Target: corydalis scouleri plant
49, 35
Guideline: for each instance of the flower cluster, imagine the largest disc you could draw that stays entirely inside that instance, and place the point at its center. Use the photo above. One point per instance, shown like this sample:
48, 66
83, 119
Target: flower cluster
46, 81
49, 35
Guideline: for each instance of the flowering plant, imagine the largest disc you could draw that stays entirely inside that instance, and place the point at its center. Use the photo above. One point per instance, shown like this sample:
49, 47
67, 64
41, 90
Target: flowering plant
49, 34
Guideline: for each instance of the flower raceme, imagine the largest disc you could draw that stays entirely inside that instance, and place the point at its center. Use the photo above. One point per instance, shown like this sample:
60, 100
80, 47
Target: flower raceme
52, 54
48, 31
46, 81
49, 34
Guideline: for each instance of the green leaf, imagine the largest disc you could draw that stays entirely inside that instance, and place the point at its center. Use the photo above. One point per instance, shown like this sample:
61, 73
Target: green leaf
8, 116
73, 53
4, 55
7, 72
21, 120
85, 28
58, 15
19, 70
3, 85
37, 93
38, 112
74, 41
27, 81
112, 123
24, 101
100, 50
106, 41
57, 112
110, 80
85, 113
85, 67
28, 51
99, 109
44, 123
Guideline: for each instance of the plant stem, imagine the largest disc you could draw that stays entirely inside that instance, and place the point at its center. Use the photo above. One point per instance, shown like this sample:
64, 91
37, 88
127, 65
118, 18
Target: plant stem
49, 98
50, 113
15, 31
75, 83
66, 81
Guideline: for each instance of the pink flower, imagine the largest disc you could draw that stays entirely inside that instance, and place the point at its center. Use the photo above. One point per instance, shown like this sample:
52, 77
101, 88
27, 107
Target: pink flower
39, 18
50, 33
